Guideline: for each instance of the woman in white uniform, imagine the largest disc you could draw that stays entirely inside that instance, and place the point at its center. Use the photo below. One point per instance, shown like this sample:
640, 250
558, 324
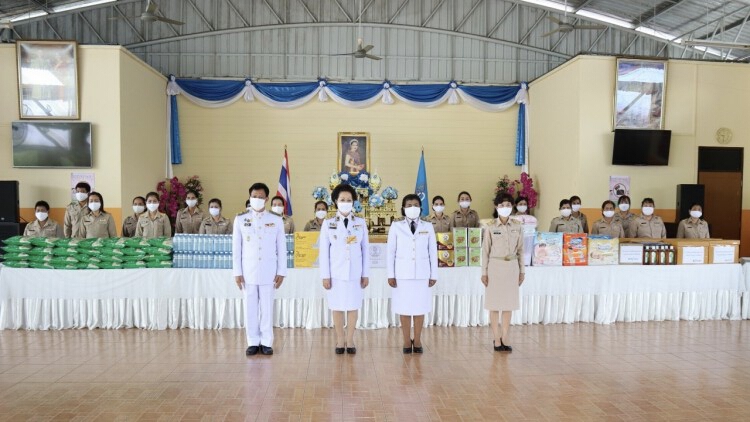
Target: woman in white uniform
344, 265
412, 269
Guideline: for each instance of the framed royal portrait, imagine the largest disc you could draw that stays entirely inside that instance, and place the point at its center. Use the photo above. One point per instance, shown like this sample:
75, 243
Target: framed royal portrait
353, 152
48, 80
639, 94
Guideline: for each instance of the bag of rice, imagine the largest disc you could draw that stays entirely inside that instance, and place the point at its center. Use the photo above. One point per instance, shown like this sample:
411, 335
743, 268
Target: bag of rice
111, 252
158, 258
16, 264
41, 258
110, 259
110, 265
86, 243
63, 260
17, 240
64, 251
132, 258
159, 264
21, 256
134, 264
136, 242
17, 248
161, 242
69, 266
158, 251
89, 252
87, 266
133, 251
40, 251
115, 242
45, 242
41, 265
88, 259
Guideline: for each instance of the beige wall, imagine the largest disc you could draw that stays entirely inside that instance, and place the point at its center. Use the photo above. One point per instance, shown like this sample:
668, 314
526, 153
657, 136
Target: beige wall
115, 96
231, 147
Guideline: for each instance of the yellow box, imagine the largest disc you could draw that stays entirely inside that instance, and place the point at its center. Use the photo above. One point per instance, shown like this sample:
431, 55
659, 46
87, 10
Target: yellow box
724, 252
475, 257
460, 238
446, 259
462, 257
445, 240
603, 251
306, 249
475, 237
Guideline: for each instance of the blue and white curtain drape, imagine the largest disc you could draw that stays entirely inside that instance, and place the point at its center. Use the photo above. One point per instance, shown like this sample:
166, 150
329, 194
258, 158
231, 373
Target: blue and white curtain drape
220, 93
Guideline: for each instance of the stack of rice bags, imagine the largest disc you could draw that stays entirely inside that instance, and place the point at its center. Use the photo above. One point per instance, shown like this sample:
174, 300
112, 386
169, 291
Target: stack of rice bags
15, 252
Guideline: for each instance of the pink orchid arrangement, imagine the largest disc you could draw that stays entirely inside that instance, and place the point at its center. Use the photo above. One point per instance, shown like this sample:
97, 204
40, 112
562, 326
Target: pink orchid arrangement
520, 187
171, 196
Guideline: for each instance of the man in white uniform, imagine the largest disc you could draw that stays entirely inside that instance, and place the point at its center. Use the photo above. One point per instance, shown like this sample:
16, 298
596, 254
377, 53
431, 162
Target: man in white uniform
259, 266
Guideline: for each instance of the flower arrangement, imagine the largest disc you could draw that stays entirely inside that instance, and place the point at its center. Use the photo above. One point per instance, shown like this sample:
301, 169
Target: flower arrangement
390, 193
520, 187
359, 182
357, 206
171, 196
376, 201
320, 193
194, 184
375, 182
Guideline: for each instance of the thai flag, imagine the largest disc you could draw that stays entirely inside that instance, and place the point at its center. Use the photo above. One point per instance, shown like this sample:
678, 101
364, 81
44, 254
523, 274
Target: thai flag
285, 184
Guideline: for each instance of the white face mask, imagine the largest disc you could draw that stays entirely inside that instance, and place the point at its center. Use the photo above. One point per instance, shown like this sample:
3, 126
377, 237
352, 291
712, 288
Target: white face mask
565, 212
412, 213
696, 214
81, 196
152, 207
138, 209
321, 214
522, 208
277, 210
504, 212
95, 206
214, 211
609, 213
41, 216
624, 207
647, 210
257, 203
345, 207
438, 208
191, 202
464, 204
576, 207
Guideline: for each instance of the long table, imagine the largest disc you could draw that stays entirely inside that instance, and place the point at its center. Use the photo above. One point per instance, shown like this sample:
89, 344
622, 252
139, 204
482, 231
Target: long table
208, 299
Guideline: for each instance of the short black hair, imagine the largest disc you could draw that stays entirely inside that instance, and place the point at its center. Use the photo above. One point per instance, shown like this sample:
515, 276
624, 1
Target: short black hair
247, 203
462, 193
43, 204
83, 185
522, 198
343, 187
622, 199
283, 202
499, 199
98, 195
154, 194
564, 202
258, 186
325, 204
649, 200
409, 197
696, 203
575, 198
139, 197
604, 204
215, 200
438, 197
189, 191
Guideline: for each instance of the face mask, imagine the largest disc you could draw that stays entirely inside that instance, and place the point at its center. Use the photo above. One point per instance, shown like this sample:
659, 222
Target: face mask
522, 208
565, 212
464, 204
647, 210
412, 213
152, 207
696, 214
345, 207
438, 208
504, 212
321, 214
609, 213
81, 196
257, 203
624, 207
191, 202
94, 206
576, 207
41, 216
138, 209
277, 210
214, 211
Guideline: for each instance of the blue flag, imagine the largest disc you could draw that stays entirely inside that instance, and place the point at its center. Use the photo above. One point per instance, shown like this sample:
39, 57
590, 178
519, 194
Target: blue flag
421, 189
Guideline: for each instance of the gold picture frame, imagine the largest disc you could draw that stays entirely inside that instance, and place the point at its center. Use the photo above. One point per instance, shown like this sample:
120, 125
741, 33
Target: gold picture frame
350, 161
48, 80
640, 86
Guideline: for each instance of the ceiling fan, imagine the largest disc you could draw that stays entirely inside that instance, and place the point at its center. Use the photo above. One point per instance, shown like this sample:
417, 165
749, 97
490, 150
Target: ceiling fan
150, 15
6, 32
362, 51
564, 27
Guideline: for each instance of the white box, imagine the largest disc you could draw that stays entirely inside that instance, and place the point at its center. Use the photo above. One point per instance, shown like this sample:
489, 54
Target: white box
631, 253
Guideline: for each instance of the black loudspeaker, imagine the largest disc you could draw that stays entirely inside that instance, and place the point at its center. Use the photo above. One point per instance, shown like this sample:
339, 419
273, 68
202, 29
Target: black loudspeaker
9, 203
9, 230
688, 195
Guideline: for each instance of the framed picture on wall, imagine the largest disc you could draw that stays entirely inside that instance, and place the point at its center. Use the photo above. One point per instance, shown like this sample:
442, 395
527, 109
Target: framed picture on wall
48, 79
639, 94
353, 152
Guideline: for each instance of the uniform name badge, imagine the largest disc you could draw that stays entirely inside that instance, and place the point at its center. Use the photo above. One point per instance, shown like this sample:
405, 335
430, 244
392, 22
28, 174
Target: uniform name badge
351, 239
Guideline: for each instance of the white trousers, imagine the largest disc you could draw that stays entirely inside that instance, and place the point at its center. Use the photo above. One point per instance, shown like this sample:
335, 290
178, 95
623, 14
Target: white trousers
259, 314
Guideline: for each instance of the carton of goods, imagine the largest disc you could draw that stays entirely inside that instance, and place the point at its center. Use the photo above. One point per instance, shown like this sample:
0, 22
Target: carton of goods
306, 249
460, 237
445, 241
724, 252
691, 251
631, 253
462, 257
475, 257
446, 259
475, 238
548, 249
603, 250
575, 249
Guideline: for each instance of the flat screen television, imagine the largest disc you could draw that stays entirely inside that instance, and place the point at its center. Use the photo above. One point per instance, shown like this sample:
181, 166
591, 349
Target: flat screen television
52, 144
641, 147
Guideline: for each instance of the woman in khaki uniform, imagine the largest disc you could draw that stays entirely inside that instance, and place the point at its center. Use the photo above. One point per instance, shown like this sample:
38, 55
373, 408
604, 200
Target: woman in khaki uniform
153, 223
441, 223
216, 223
693, 227
502, 269
130, 224
464, 216
624, 216
189, 219
648, 225
565, 223
321, 212
575, 206
99, 223
608, 225
43, 226
278, 206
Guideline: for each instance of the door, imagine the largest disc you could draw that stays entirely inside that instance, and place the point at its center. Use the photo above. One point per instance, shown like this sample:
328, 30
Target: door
720, 171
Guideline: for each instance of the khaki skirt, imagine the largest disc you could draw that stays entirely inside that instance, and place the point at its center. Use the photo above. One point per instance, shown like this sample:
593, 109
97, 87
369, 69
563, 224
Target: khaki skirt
502, 292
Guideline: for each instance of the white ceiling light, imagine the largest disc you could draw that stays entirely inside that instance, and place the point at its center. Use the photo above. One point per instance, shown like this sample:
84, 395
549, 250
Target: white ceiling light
605, 19
658, 34
551, 5
30, 15
79, 4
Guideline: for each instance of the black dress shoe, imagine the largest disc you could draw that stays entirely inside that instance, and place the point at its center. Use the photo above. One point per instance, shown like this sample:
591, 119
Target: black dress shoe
266, 350
417, 349
252, 350
351, 350
339, 350
408, 350
497, 348
505, 347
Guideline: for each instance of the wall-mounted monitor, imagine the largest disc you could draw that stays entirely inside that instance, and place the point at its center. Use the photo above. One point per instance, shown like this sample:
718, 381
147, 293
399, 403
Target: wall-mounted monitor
641, 147
52, 144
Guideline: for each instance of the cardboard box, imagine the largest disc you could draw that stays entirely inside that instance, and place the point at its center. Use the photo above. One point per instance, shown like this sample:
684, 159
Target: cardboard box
548, 249
460, 238
575, 249
724, 252
306, 249
631, 253
603, 250
691, 251
475, 238
446, 259
462, 257
445, 241
475, 257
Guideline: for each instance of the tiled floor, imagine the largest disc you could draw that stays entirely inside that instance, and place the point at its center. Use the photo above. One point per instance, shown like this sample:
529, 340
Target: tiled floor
637, 371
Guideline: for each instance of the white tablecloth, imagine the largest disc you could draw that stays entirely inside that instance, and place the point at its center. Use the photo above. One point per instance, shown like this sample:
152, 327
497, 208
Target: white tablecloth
192, 298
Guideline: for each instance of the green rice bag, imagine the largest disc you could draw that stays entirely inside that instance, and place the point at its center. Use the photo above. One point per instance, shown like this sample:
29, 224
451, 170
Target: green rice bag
110, 259
85, 243
41, 265
87, 266
158, 258
41, 258
65, 251
111, 252
115, 242
16, 264
45, 242
161, 242
134, 264
136, 242
87, 259
158, 251
132, 258
133, 251
17, 240
21, 256
159, 264
110, 265
40, 251
89, 252
63, 260
17, 248
69, 266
